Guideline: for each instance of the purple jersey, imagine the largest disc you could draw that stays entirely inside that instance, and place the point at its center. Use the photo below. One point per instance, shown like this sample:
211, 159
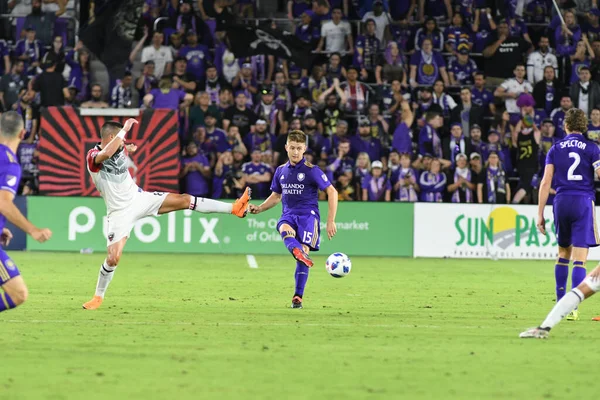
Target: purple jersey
457, 35
255, 141
376, 187
170, 99
402, 141
593, 133
10, 175
536, 11
299, 6
482, 97
576, 67
575, 161
196, 184
558, 117
197, 57
218, 140
299, 187
369, 145
428, 67
259, 190
34, 50
463, 73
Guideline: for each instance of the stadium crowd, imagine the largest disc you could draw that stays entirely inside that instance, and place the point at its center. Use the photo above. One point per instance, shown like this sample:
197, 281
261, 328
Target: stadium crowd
433, 101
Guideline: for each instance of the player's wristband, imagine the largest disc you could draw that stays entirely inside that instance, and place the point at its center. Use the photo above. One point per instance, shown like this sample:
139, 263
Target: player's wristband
121, 134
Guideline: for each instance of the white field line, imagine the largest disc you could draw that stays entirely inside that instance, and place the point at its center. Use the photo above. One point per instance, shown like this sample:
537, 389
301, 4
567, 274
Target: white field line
251, 261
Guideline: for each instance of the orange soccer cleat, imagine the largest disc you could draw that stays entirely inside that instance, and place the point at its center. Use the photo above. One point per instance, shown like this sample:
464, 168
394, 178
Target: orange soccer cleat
301, 256
240, 206
93, 304
596, 318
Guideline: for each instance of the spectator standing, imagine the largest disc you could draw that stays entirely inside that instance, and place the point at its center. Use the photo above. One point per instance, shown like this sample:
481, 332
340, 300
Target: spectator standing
593, 132
336, 35
461, 181
43, 22
147, 81
58, 51
433, 183
80, 75
429, 139
50, 85
212, 83
539, 60
526, 140
503, 53
195, 171
443, 99
546, 92
381, 19
567, 36
165, 97
466, 113
334, 68
11, 85
510, 90
585, 93
391, 66
365, 142
457, 35
376, 186
456, 144
558, 114
200, 108
492, 185
196, 54
582, 57
182, 79
239, 114
295, 8
404, 180
96, 100
159, 54
367, 52
122, 94
429, 31
426, 66
30, 50
357, 94
257, 175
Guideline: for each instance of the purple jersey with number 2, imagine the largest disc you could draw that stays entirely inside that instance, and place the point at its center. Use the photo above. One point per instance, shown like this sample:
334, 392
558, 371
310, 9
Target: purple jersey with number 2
575, 161
299, 187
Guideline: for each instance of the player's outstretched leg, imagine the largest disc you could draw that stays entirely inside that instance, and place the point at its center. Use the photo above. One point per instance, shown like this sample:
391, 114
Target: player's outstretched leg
288, 234
107, 271
175, 202
15, 291
568, 303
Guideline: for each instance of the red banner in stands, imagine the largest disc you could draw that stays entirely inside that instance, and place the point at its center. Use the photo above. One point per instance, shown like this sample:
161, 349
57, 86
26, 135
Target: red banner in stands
66, 137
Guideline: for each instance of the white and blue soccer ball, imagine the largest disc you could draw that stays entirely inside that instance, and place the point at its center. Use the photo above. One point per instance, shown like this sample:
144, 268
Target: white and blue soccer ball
338, 265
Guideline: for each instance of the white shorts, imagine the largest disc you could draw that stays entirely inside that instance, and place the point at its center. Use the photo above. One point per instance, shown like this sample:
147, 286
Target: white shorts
120, 223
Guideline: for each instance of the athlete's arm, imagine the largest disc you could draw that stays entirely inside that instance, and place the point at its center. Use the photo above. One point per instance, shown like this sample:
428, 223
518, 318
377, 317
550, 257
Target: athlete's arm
111, 148
12, 213
269, 203
332, 199
544, 192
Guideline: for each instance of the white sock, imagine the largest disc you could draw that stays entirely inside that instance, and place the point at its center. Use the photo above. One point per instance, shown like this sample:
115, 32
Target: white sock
104, 277
568, 303
204, 205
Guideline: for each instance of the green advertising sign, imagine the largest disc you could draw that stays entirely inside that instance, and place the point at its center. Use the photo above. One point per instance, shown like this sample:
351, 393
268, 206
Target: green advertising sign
373, 229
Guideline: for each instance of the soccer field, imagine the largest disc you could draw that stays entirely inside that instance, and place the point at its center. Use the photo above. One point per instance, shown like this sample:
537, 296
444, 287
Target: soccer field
210, 327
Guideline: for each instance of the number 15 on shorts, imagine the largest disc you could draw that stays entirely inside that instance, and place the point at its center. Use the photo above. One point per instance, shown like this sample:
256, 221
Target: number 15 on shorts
307, 237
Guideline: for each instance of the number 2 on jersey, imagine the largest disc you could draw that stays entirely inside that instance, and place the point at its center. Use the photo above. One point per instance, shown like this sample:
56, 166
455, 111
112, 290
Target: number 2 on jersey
571, 176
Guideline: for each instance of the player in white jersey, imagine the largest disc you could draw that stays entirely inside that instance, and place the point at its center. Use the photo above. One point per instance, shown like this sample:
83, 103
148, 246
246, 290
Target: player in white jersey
126, 203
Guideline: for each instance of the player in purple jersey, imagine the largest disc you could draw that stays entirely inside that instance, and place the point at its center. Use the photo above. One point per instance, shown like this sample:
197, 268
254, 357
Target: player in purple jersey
297, 184
11, 133
573, 163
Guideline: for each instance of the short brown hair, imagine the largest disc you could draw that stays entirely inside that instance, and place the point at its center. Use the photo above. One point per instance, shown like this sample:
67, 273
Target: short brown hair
296, 136
576, 120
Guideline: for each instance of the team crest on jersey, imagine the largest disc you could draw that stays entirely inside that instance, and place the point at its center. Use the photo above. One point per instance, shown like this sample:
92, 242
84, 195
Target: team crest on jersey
9, 264
11, 180
301, 176
281, 178
111, 236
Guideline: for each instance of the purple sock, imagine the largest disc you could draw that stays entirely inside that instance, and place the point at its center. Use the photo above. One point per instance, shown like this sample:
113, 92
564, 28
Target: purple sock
301, 278
6, 302
578, 274
290, 241
561, 274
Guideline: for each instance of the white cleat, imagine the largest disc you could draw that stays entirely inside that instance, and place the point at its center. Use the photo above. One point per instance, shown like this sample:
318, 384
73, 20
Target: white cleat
534, 333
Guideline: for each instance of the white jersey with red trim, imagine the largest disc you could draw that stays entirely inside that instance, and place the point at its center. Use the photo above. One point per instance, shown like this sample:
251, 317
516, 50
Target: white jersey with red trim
112, 179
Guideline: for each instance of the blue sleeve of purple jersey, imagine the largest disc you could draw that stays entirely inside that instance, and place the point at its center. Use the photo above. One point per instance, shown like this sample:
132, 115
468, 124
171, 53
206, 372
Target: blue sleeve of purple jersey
320, 178
10, 176
550, 156
275, 183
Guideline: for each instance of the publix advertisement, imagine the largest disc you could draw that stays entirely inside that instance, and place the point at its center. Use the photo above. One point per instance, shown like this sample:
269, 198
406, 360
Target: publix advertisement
483, 231
80, 223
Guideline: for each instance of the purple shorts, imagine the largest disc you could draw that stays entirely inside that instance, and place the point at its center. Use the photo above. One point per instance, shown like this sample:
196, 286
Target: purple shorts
8, 268
575, 221
307, 227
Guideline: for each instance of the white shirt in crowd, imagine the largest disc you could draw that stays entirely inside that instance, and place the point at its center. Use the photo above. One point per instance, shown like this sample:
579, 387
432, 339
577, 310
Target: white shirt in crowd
160, 56
584, 98
536, 62
380, 23
335, 36
512, 85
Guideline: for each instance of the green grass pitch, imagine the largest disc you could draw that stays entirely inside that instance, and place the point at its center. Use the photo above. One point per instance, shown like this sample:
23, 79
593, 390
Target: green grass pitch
209, 327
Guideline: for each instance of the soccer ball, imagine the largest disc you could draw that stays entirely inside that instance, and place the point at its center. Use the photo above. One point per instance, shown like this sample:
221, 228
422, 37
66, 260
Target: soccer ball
338, 265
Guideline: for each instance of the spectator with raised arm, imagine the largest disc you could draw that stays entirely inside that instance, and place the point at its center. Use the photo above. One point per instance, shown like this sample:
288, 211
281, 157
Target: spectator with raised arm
582, 57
